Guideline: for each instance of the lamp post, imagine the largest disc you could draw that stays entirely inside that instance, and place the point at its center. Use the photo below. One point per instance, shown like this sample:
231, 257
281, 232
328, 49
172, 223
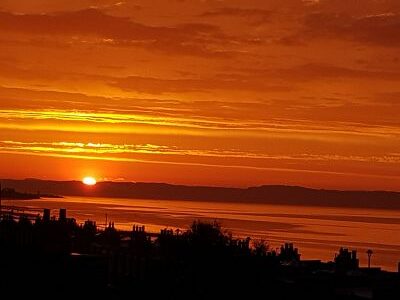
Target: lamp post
369, 253
0, 201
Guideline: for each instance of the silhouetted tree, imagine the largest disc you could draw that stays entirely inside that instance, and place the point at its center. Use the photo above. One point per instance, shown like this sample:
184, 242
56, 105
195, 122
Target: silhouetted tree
207, 234
260, 247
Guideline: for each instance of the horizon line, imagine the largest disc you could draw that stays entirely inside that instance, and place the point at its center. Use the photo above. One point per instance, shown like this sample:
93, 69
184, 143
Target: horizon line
207, 186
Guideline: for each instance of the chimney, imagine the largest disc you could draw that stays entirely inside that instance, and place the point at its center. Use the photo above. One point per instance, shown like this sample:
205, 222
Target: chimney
63, 214
46, 215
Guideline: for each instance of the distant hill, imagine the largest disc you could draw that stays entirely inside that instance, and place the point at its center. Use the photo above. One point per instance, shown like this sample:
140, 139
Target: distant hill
269, 194
12, 194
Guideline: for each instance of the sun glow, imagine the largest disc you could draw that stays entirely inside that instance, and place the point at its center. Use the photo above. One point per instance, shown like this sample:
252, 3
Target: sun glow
89, 180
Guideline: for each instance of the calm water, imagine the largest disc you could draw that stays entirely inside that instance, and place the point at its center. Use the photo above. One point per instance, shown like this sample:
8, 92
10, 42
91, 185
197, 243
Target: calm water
317, 231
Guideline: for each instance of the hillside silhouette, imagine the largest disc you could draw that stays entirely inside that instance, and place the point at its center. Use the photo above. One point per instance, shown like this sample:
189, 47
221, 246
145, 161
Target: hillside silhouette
268, 194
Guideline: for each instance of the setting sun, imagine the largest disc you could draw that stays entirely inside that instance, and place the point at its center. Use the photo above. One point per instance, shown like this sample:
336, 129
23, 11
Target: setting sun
89, 180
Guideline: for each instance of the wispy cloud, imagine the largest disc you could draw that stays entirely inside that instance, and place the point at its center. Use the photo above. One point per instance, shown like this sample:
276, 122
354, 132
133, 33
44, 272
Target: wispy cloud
116, 122
87, 151
96, 150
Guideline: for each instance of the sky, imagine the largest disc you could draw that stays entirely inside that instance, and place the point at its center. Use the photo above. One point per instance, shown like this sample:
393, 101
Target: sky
202, 92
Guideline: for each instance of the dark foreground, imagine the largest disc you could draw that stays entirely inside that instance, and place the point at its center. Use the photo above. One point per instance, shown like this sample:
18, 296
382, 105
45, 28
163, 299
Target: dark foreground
54, 258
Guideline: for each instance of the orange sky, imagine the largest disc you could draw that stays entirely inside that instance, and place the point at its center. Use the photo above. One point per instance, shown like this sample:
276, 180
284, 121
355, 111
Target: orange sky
235, 93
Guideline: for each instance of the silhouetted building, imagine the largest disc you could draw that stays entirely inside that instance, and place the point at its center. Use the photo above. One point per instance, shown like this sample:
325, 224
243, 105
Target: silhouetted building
346, 260
90, 226
289, 254
110, 238
140, 241
63, 215
46, 215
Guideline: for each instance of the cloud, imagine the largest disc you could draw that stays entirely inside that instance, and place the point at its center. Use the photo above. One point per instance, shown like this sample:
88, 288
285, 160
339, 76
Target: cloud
321, 71
378, 29
354, 7
251, 79
252, 15
112, 122
199, 164
190, 38
223, 82
391, 99
317, 71
117, 149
